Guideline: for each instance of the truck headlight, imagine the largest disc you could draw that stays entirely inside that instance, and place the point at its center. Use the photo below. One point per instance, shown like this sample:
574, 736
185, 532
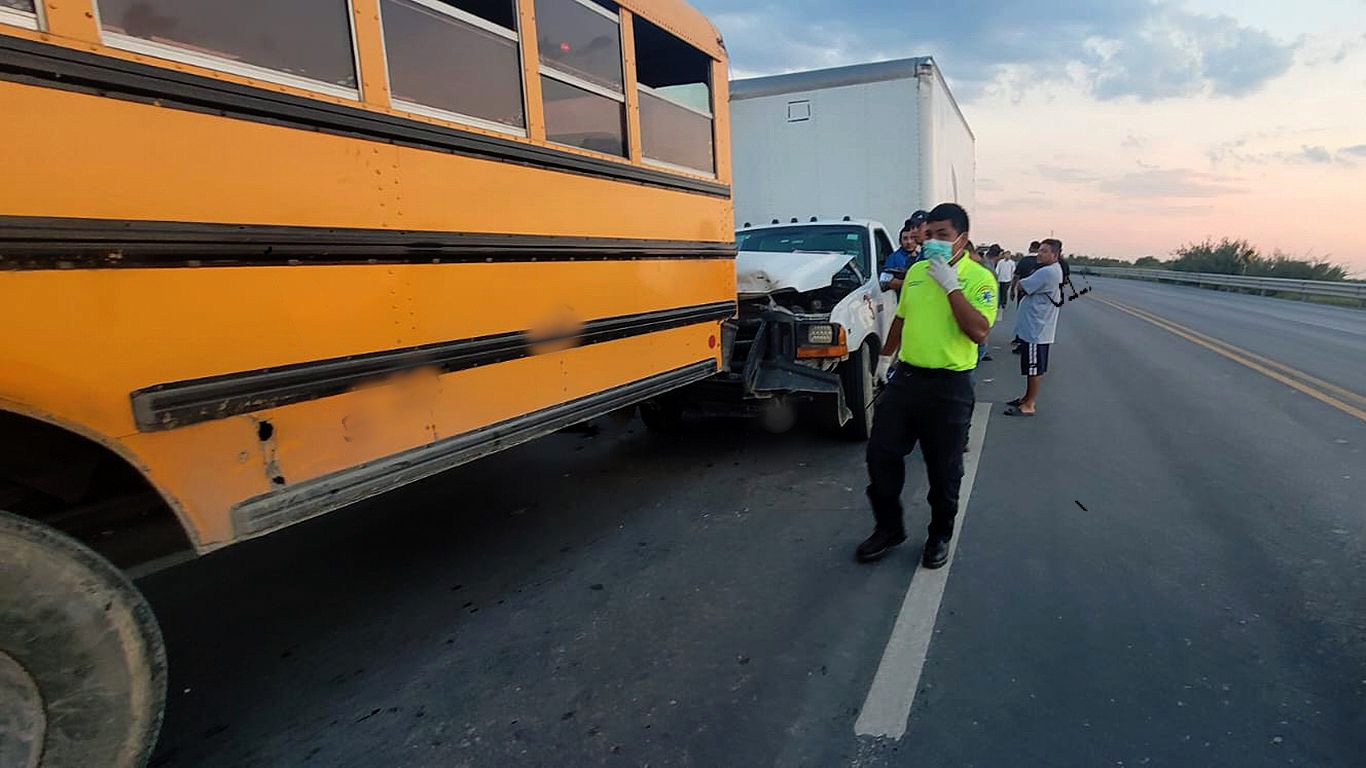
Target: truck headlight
823, 333
822, 340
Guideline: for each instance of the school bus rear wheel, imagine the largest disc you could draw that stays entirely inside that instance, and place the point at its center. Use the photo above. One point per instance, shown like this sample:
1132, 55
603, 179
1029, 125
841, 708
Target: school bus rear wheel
82, 666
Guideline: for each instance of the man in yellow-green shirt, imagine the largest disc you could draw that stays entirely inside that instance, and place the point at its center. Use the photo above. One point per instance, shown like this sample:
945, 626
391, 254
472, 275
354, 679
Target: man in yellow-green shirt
947, 306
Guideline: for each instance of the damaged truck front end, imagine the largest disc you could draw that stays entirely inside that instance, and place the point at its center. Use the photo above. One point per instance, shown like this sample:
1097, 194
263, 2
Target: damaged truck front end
806, 337
777, 359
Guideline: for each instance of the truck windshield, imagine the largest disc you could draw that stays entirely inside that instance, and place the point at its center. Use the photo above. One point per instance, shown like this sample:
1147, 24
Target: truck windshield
850, 240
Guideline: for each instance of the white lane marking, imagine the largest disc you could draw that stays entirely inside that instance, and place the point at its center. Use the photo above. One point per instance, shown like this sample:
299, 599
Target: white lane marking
888, 706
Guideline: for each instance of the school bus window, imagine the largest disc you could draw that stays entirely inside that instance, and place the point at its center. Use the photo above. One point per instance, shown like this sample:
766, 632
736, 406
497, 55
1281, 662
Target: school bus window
456, 58
582, 119
19, 12
581, 77
300, 42
675, 100
581, 39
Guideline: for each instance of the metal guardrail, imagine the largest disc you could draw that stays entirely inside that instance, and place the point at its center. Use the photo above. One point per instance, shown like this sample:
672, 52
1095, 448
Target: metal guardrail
1263, 285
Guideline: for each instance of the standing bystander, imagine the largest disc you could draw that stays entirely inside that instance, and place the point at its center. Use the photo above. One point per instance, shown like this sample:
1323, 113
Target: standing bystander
894, 268
1024, 269
947, 305
1037, 324
1005, 274
912, 238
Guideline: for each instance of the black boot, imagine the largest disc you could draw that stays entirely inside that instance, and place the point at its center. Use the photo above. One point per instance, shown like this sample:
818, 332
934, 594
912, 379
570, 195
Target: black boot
936, 552
879, 544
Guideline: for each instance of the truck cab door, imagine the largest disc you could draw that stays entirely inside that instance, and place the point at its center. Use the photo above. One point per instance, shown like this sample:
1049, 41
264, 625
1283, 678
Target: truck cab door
886, 300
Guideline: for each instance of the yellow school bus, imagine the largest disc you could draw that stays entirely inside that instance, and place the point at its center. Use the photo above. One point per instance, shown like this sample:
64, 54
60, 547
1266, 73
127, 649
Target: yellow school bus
261, 259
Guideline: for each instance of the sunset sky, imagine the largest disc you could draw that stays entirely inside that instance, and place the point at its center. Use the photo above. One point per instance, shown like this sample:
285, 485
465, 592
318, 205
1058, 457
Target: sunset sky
1126, 127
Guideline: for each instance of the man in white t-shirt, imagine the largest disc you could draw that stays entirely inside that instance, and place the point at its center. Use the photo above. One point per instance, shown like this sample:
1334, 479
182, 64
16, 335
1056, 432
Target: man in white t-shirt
1005, 272
1037, 323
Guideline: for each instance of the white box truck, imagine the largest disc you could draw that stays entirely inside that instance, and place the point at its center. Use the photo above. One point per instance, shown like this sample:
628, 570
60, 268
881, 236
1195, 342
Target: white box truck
870, 141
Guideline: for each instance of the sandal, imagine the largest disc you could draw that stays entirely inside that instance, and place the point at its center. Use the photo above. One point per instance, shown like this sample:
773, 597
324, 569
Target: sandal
1014, 411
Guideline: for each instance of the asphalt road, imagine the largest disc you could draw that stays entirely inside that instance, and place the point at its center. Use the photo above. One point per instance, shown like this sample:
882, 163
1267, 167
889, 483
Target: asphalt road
1167, 566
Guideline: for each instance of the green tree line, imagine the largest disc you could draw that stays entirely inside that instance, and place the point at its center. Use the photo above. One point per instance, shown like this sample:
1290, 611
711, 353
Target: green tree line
1229, 257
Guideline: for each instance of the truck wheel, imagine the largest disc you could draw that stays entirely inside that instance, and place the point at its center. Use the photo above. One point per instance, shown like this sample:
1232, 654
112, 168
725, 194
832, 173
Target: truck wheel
856, 376
82, 666
661, 417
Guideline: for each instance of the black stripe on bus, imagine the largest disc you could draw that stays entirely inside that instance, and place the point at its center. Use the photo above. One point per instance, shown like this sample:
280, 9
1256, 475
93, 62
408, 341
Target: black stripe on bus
28, 242
181, 403
309, 498
31, 62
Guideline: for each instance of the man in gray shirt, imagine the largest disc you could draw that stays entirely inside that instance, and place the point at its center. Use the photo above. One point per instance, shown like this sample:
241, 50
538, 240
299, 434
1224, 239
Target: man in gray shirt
1037, 322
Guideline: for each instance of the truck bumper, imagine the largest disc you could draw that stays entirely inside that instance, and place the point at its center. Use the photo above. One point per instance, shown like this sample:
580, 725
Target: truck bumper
760, 374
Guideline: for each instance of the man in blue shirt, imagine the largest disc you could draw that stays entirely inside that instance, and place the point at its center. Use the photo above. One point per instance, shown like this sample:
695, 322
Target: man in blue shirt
912, 237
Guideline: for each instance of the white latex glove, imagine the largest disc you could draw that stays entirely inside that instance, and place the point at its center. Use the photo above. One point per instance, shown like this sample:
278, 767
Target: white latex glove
945, 275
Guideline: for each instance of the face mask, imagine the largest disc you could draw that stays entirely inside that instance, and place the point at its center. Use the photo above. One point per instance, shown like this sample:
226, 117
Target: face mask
940, 250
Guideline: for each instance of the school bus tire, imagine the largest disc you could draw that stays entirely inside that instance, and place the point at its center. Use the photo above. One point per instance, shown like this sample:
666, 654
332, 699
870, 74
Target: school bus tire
82, 665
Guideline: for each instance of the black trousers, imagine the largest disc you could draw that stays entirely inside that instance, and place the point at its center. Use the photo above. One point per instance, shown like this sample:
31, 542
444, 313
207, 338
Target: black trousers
932, 408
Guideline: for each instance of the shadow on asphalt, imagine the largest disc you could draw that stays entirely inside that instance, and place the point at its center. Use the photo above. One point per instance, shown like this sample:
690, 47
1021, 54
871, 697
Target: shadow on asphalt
305, 607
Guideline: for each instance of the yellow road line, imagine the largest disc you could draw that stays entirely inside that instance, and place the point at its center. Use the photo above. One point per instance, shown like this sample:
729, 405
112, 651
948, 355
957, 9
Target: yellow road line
1244, 358
1328, 387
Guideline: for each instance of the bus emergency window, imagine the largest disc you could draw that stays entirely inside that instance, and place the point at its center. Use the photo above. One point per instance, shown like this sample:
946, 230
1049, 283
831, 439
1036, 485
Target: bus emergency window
309, 39
583, 119
454, 57
19, 5
675, 100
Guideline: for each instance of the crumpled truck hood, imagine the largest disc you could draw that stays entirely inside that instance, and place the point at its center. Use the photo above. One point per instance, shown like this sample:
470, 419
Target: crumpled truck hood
760, 274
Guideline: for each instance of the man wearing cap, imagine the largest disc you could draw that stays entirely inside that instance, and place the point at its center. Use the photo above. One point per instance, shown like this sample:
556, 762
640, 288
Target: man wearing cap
912, 236
946, 309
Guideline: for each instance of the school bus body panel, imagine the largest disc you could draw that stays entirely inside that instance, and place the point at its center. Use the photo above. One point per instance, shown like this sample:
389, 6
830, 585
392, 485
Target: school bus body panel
344, 249
123, 330
320, 437
143, 162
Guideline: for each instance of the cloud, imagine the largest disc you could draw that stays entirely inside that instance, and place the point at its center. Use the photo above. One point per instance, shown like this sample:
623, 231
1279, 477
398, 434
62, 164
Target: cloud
1169, 183
1134, 142
1317, 155
1176, 54
1322, 53
1141, 49
1065, 175
1233, 152
1029, 203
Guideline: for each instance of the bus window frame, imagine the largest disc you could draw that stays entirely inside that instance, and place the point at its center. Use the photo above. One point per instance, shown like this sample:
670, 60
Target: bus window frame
143, 47
598, 9
24, 20
668, 166
709, 113
665, 97
583, 85
546, 70
450, 116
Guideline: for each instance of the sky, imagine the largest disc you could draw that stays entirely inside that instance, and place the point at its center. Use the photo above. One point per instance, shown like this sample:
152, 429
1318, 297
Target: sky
1124, 127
